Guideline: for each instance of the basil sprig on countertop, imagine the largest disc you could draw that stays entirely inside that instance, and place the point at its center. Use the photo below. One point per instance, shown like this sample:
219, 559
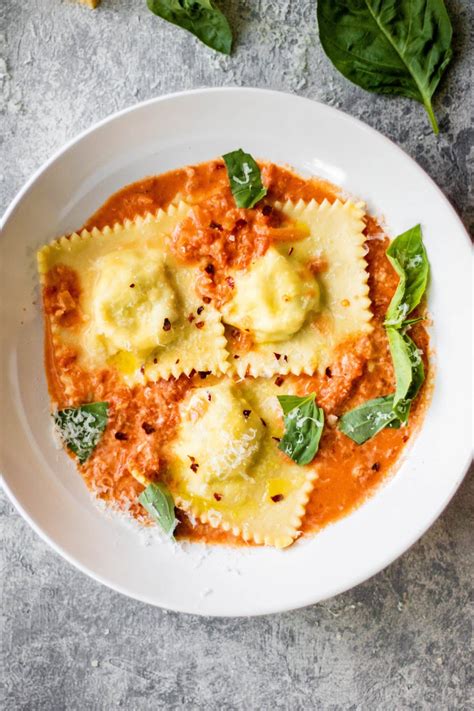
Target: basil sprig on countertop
399, 47
304, 424
244, 178
81, 427
408, 257
157, 500
200, 17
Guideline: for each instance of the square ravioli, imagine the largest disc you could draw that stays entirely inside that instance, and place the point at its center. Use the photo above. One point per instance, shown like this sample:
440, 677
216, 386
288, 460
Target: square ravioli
225, 468
118, 298
303, 298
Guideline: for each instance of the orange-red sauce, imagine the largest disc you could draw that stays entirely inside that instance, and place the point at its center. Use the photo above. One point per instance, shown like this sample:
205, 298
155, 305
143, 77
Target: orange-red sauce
218, 236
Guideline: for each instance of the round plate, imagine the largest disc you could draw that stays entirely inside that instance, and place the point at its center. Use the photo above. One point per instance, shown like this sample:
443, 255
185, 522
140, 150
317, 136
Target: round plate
157, 136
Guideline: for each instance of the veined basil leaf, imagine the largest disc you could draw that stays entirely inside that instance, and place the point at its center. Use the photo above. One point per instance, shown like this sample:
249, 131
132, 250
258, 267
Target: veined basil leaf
365, 421
244, 178
157, 500
399, 47
200, 17
81, 427
408, 257
409, 371
304, 424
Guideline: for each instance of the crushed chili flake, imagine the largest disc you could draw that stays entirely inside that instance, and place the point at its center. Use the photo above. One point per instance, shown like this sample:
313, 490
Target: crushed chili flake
279, 381
199, 310
263, 422
176, 361
204, 373
267, 210
194, 466
277, 439
193, 459
217, 497
236, 356
209, 397
206, 299
155, 360
290, 251
166, 324
191, 318
149, 429
121, 436
329, 372
210, 269
199, 324
240, 224
376, 467
277, 498
230, 282
246, 413
142, 369
277, 355
132, 286
215, 226
285, 358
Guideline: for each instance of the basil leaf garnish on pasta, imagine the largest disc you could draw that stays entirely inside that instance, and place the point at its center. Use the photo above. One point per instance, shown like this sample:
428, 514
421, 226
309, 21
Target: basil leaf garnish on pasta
409, 371
158, 502
200, 17
365, 421
304, 424
244, 178
81, 427
408, 257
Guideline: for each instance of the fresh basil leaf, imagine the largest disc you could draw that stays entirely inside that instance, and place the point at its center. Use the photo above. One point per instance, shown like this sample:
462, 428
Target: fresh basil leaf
81, 428
399, 47
408, 257
365, 421
244, 178
402, 364
157, 500
200, 17
304, 424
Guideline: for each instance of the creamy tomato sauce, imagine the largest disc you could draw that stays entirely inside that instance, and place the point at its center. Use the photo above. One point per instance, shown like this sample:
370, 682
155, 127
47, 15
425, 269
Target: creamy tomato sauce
216, 236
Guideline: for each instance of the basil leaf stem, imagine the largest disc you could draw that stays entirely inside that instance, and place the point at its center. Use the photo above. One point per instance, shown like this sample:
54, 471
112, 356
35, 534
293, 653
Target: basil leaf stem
304, 424
244, 178
389, 46
408, 257
158, 502
81, 427
200, 17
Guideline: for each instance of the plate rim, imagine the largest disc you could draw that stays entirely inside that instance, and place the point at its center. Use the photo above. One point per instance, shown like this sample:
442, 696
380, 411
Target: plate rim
307, 599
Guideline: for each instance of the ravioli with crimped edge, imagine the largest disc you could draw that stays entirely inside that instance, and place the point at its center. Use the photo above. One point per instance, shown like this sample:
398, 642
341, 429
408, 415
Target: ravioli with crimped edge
303, 298
225, 467
137, 309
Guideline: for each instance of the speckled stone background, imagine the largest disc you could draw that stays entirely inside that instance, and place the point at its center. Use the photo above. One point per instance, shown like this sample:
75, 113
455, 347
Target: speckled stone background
400, 641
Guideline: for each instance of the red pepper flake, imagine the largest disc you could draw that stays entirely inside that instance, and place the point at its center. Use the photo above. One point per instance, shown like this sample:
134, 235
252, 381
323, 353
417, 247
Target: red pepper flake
193, 459
285, 358
166, 324
155, 360
230, 282
206, 299
240, 224
121, 436
279, 381
277, 439
149, 429
199, 324
192, 373
176, 361
215, 226
217, 497
203, 373
132, 286
375, 467
210, 269
328, 372
209, 397
277, 355
263, 422
191, 318
200, 309
194, 466
236, 356
290, 251
246, 413
142, 369
277, 498
267, 210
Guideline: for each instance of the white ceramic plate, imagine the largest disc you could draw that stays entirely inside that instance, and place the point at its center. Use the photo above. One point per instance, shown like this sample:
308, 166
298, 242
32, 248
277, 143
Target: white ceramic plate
167, 133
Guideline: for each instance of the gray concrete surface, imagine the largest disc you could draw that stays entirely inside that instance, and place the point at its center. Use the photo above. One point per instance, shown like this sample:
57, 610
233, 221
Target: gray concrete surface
400, 641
